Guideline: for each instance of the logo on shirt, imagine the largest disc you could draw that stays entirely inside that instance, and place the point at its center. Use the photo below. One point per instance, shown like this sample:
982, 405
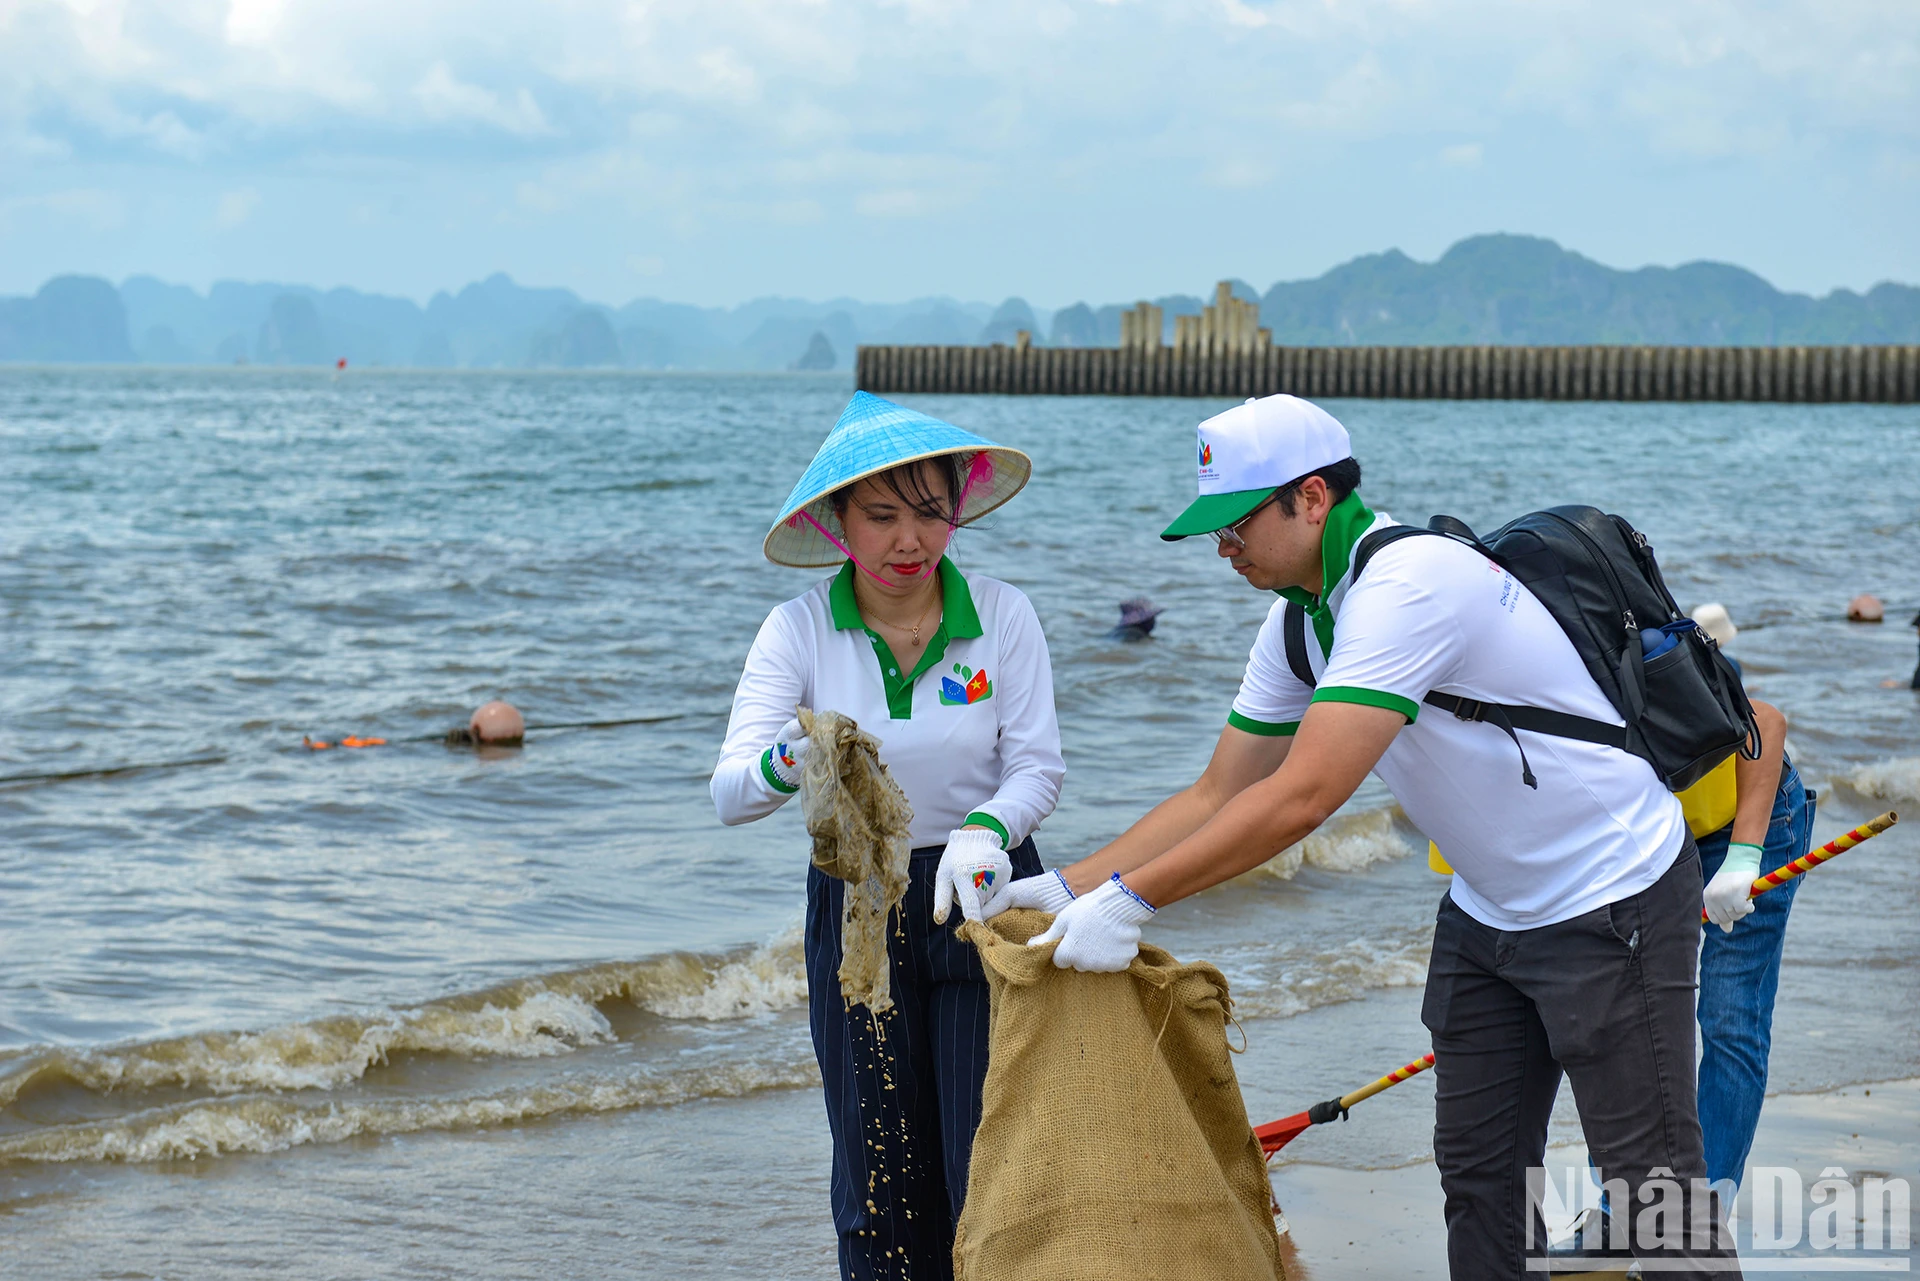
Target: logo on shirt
976, 689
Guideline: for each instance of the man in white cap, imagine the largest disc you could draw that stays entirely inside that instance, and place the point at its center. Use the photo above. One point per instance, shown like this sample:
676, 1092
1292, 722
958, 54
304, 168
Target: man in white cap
1567, 940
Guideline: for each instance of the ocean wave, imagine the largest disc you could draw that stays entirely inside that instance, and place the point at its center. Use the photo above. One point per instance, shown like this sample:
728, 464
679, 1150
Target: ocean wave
1345, 843
1890, 780
1287, 983
536, 1017
216, 1127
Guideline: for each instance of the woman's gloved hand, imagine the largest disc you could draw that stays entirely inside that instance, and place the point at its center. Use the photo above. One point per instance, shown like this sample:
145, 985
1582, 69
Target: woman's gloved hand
1099, 931
784, 761
1728, 894
1047, 892
974, 869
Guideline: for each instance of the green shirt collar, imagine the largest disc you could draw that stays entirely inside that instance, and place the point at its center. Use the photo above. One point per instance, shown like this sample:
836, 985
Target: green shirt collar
959, 620
1347, 523
957, 614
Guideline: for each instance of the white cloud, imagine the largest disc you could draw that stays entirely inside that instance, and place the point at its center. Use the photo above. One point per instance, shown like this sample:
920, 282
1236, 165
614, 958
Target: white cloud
235, 208
777, 113
445, 98
900, 202
1712, 75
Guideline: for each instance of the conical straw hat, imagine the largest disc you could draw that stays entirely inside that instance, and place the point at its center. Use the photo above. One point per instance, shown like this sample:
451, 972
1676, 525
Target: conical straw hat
872, 436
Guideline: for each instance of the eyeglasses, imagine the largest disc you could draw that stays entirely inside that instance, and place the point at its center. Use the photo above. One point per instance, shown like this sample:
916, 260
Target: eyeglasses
1230, 536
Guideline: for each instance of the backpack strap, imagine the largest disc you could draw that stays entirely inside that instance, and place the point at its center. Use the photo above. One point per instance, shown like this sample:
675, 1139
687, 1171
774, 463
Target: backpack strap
1293, 626
1507, 717
1294, 621
1538, 720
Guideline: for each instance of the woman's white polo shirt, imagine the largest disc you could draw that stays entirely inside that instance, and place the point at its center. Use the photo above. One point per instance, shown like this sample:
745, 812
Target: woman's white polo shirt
968, 731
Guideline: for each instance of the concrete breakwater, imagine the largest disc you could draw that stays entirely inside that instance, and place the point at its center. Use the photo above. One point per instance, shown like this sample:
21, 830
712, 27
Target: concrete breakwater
1878, 374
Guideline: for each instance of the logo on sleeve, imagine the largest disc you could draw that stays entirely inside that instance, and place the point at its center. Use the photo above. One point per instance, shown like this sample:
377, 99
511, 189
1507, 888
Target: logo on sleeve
976, 689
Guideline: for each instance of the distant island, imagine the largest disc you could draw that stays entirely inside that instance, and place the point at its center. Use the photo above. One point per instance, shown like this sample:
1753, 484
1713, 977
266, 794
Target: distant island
1520, 290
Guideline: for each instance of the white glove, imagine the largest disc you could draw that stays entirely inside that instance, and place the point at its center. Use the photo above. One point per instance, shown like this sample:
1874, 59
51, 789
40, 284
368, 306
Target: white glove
1048, 893
788, 755
975, 868
1728, 894
1099, 931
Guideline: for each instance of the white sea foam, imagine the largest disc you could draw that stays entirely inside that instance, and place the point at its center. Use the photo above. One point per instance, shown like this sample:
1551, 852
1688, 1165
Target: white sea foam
537, 1017
1284, 982
1346, 843
1890, 780
771, 977
275, 1123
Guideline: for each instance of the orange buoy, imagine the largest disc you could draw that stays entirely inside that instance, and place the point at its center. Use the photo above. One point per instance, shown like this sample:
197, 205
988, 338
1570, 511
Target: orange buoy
355, 741
313, 745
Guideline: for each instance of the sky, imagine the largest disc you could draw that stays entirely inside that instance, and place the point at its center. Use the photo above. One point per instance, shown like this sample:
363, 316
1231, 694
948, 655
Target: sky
711, 151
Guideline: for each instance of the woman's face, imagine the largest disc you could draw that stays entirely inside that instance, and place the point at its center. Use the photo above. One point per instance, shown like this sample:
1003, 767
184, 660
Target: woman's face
889, 537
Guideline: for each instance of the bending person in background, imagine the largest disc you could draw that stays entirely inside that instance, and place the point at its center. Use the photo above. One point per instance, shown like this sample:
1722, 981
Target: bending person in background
1767, 821
1748, 817
952, 676
1568, 940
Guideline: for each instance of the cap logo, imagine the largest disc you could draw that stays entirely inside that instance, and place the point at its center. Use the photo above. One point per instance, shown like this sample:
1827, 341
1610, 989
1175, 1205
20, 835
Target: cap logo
1207, 473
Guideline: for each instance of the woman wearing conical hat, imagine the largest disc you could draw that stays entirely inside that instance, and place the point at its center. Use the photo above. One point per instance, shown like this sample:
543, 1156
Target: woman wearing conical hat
951, 675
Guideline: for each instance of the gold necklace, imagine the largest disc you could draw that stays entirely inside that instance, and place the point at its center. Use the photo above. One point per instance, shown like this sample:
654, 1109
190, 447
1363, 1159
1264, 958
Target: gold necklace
915, 642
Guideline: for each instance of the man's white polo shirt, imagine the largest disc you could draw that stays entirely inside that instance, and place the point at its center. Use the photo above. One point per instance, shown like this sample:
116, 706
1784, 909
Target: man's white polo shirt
968, 732
1432, 614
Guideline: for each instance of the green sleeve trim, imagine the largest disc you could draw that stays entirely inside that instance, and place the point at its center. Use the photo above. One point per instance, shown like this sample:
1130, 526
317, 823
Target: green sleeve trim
1368, 698
773, 780
1266, 729
993, 825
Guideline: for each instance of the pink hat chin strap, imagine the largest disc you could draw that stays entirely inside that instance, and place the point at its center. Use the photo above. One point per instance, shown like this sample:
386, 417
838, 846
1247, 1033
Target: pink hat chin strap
979, 472
804, 514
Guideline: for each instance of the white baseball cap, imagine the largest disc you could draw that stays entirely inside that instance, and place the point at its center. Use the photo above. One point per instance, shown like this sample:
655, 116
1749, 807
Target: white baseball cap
1253, 449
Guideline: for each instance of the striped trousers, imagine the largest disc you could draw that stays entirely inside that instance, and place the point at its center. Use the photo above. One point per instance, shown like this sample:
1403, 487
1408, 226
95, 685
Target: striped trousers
903, 1088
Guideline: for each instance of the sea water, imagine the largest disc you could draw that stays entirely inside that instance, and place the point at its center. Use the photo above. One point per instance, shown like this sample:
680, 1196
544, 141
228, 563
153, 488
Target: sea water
416, 1011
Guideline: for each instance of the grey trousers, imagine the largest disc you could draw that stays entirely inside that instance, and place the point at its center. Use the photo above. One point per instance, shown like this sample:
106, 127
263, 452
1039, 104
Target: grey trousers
1607, 998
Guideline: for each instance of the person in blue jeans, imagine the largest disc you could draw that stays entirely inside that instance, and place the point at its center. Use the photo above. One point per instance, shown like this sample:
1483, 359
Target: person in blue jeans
1764, 802
1740, 961
1739, 977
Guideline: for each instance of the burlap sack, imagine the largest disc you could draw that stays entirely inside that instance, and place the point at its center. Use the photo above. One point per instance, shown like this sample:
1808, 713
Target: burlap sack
861, 826
1113, 1141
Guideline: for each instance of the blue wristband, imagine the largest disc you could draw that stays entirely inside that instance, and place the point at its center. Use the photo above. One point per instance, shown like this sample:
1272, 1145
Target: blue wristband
1130, 894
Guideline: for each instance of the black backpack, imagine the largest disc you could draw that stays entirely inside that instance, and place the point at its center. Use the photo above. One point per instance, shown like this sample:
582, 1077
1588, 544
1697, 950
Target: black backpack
1685, 709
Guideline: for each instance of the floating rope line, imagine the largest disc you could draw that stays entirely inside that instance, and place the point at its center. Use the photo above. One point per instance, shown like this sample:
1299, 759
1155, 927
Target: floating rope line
108, 772
349, 741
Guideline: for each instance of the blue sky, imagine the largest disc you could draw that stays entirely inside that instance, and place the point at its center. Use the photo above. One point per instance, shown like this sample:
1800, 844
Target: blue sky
713, 150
